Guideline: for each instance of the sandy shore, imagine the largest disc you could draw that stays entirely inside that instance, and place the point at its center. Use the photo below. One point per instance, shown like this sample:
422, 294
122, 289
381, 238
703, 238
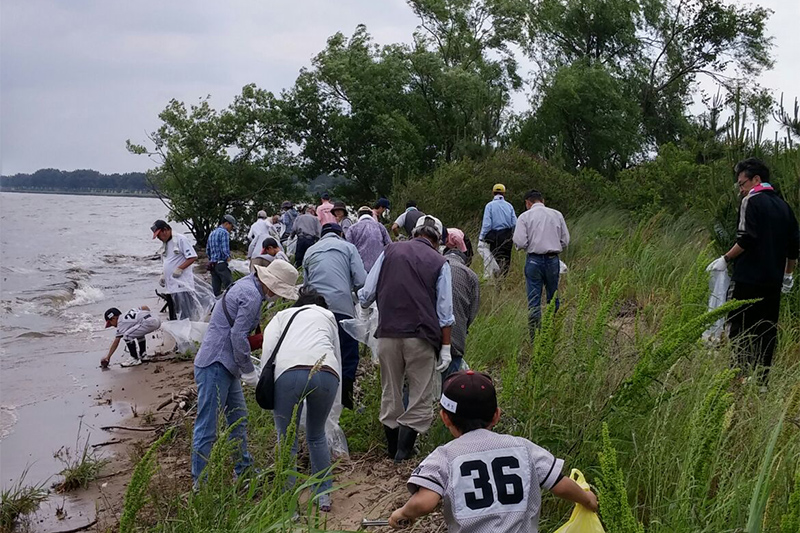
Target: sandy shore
132, 402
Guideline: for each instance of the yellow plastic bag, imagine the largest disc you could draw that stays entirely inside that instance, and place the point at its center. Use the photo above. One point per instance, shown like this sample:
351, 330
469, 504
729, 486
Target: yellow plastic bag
582, 520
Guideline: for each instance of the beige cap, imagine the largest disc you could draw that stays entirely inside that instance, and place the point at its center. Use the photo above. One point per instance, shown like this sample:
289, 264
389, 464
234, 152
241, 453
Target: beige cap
280, 277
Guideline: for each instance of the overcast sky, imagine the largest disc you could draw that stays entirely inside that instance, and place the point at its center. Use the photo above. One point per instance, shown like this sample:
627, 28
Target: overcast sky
79, 77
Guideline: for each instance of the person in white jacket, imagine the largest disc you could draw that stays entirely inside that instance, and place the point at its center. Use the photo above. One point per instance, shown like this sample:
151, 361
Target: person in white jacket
307, 367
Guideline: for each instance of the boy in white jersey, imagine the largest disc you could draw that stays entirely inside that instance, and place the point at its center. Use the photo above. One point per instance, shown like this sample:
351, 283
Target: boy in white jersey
490, 482
131, 328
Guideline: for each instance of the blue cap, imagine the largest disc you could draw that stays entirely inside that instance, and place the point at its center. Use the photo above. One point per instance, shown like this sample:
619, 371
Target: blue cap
332, 227
382, 202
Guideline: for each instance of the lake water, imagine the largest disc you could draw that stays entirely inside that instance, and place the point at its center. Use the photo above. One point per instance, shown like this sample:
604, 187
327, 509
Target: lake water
63, 261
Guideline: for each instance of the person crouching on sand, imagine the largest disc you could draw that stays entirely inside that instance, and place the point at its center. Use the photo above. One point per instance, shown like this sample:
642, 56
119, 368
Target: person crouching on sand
132, 328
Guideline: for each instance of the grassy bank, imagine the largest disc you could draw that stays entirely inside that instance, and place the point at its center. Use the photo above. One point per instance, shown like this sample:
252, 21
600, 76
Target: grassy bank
617, 382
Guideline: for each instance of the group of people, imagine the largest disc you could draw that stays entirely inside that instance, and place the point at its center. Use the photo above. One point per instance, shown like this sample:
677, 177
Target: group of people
426, 297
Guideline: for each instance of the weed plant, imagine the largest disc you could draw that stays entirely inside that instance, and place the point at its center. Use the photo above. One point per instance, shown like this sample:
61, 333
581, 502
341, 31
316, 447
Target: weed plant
81, 466
19, 500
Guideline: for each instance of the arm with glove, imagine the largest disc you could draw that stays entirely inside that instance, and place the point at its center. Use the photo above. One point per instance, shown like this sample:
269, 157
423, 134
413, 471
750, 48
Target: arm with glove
444, 310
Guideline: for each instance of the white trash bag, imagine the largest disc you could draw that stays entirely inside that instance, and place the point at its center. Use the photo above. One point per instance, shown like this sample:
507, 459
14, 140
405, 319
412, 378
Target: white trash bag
239, 265
362, 329
186, 334
562, 267
194, 304
291, 246
490, 268
718, 282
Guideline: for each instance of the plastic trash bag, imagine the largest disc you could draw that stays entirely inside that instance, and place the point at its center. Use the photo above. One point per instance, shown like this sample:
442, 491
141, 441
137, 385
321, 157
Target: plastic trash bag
718, 282
194, 303
243, 267
362, 329
562, 267
490, 268
582, 519
291, 246
185, 334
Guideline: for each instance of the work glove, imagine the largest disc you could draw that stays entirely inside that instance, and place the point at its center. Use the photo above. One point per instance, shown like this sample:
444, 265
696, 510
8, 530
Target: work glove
788, 283
251, 378
162, 281
717, 265
366, 312
444, 358
177, 272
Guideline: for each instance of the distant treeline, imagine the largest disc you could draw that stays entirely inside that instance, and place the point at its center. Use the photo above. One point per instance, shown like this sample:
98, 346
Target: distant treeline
78, 181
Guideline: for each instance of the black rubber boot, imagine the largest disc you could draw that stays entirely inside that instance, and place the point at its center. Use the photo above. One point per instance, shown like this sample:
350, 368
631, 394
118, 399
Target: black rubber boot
347, 393
405, 444
391, 440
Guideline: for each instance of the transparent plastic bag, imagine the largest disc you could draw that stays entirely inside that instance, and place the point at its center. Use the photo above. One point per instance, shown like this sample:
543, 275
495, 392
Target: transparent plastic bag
362, 328
582, 519
186, 334
194, 304
238, 265
718, 283
291, 246
562, 267
490, 268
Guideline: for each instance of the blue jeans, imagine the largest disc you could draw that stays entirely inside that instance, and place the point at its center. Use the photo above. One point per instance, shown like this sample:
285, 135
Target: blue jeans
540, 271
319, 392
218, 390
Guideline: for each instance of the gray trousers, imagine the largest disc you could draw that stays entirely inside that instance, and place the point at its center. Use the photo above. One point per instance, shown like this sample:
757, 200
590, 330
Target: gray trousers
412, 360
148, 325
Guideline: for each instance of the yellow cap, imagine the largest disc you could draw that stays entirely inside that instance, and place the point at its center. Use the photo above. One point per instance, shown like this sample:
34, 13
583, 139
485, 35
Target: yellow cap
499, 187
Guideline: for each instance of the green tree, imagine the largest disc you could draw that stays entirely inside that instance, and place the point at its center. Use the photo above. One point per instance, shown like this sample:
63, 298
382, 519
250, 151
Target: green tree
654, 49
215, 162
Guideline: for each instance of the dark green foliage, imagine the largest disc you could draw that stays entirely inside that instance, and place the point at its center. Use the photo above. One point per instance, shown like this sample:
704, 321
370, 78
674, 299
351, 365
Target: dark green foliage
50, 179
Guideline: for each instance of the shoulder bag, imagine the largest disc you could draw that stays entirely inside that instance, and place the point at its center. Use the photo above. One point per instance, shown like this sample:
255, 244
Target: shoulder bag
265, 390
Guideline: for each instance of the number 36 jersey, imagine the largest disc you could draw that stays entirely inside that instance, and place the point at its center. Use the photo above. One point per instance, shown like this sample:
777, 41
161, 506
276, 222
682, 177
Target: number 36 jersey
490, 482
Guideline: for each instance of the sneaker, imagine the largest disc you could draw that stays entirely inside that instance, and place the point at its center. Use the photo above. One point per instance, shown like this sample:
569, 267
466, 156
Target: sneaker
324, 502
130, 362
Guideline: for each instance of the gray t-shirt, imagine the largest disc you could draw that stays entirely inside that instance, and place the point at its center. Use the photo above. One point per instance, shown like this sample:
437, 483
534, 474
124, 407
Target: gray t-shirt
489, 482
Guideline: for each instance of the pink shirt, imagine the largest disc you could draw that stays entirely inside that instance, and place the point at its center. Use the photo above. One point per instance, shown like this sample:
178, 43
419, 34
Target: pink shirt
324, 213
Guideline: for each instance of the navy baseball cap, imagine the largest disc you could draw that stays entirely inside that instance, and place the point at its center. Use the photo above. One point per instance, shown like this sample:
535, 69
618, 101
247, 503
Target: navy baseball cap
382, 202
469, 394
111, 313
331, 227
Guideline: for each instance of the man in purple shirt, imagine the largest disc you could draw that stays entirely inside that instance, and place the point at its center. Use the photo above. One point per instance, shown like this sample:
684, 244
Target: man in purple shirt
369, 236
224, 359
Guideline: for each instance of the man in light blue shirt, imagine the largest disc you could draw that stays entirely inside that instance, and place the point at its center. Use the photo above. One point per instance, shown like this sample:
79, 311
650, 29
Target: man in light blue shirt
497, 229
333, 267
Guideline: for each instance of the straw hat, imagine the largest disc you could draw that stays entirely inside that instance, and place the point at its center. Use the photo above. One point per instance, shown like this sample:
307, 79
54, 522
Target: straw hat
280, 277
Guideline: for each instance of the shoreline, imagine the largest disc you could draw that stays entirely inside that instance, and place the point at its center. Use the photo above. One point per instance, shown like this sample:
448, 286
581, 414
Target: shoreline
83, 193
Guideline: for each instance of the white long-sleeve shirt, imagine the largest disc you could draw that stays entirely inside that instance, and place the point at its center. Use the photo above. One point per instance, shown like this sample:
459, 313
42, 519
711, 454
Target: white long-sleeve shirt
313, 335
541, 230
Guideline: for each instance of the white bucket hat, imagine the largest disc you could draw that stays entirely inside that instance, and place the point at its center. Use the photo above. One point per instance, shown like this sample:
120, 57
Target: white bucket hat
280, 277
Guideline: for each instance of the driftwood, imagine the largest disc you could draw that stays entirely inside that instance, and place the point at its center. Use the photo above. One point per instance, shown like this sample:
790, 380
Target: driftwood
80, 528
128, 428
110, 442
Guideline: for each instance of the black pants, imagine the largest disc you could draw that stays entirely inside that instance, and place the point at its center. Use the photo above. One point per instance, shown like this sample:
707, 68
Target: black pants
754, 328
221, 277
132, 347
304, 242
500, 244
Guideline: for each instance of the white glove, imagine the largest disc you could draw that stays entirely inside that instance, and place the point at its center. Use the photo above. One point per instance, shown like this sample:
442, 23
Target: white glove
161, 281
366, 312
177, 272
250, 378
788, 283
444, 358
717, 265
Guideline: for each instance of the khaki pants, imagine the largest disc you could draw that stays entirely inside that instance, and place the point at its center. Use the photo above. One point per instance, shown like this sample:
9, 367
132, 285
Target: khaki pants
412, 359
